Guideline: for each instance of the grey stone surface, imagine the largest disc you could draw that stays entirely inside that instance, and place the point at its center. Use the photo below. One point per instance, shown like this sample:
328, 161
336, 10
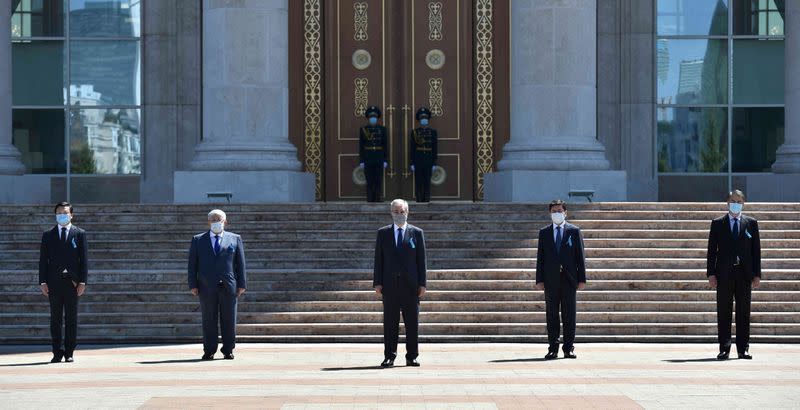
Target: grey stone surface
10, 158
544, 186
772, 187
246, 186
24, 189
788, 155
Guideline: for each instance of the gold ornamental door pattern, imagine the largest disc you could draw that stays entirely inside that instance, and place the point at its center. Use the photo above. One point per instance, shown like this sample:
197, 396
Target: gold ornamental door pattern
399, 55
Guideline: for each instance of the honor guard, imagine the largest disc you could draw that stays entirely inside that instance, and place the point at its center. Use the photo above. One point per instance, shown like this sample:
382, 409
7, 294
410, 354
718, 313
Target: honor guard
372, 152
423, 151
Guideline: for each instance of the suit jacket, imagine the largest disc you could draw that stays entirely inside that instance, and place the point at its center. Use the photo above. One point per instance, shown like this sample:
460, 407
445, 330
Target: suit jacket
570, 257
408, 261
206, 269
723, 248
56, 255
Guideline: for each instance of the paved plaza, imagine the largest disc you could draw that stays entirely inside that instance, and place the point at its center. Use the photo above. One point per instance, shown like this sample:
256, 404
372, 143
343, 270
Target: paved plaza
452, 376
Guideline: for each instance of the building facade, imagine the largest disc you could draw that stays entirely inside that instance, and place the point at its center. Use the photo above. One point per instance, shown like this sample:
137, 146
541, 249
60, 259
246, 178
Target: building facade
170, 101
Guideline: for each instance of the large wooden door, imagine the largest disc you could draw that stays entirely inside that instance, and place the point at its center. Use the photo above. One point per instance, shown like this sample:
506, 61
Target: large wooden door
399, 55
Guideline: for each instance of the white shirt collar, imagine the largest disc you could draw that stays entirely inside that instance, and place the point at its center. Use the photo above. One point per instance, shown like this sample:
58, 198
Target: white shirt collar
563, 225
210, 232
68, 226
400, 227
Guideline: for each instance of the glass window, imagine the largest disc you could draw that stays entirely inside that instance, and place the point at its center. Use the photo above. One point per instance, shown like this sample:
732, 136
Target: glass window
692, 139
104, 18
39, 136
37, 18
692, 71
758, 17
105, 141
38, 72
757, 134
692, 17
108, 72
758, 72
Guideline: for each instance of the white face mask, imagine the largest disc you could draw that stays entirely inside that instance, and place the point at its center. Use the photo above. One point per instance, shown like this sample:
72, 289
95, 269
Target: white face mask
557, 217
217, 227
373, 120
735, 208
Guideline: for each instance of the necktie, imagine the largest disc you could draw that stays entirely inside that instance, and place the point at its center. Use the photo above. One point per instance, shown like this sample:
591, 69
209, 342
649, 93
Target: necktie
558, 239
64, 235
216, 244
736, 227
399, 237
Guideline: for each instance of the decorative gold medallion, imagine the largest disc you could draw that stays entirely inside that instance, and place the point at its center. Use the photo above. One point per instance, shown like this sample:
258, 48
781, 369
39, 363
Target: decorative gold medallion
435, 59
361, 59
360, 21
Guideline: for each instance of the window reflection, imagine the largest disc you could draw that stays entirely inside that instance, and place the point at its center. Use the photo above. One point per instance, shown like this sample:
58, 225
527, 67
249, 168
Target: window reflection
692, 139
105, 141
692, 71
37, 18
39, 136
104, 18
757, 134
759, 17
111, 68
692, 17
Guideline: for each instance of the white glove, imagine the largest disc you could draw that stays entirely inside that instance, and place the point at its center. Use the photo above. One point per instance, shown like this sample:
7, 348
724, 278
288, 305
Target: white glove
433, 168
361, 165
385, 164
412, 168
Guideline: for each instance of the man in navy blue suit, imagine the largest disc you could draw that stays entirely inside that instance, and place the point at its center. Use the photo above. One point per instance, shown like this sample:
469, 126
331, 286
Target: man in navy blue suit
399, 276
560, 272
63, 269
217, 274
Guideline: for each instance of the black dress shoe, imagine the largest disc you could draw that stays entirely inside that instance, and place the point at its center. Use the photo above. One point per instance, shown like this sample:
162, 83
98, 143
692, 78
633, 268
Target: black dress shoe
723, 355
551, 355
69, 359
570, 354
228, 356
207, 357
745, 355
57, 357
388, 362
412, 362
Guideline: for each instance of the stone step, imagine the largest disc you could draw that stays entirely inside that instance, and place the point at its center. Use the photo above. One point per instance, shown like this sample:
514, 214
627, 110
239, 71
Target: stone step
350, 318
41, 306
537, 217
439, 285
368, 236
431, 243
432, 207
367, 254
432, 226
192, 332
433, 295
29, 277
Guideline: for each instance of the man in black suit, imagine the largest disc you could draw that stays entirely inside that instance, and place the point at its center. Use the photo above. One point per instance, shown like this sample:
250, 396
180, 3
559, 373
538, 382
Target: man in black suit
734, 269
218, 275
372, 152
399, 275
62, 277
560, 271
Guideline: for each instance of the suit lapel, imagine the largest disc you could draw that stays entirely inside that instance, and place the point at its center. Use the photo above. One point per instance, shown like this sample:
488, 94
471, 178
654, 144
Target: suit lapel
407, 235
206, 239
70, 237
742, 226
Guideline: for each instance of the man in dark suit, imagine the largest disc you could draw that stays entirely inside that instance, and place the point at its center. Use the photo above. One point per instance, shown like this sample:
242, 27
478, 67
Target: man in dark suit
217, 274
424, 151
734, 268
372, 152
560, 271
63, 270
399, 275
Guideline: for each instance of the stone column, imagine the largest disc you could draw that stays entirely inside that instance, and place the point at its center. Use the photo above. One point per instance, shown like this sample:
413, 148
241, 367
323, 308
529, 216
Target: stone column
10, 163
245, 148
553, 146
788, 155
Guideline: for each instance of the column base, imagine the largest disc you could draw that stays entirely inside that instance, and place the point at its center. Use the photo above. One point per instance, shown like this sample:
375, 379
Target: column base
192, 187
544, 186
787, 160
10, 160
